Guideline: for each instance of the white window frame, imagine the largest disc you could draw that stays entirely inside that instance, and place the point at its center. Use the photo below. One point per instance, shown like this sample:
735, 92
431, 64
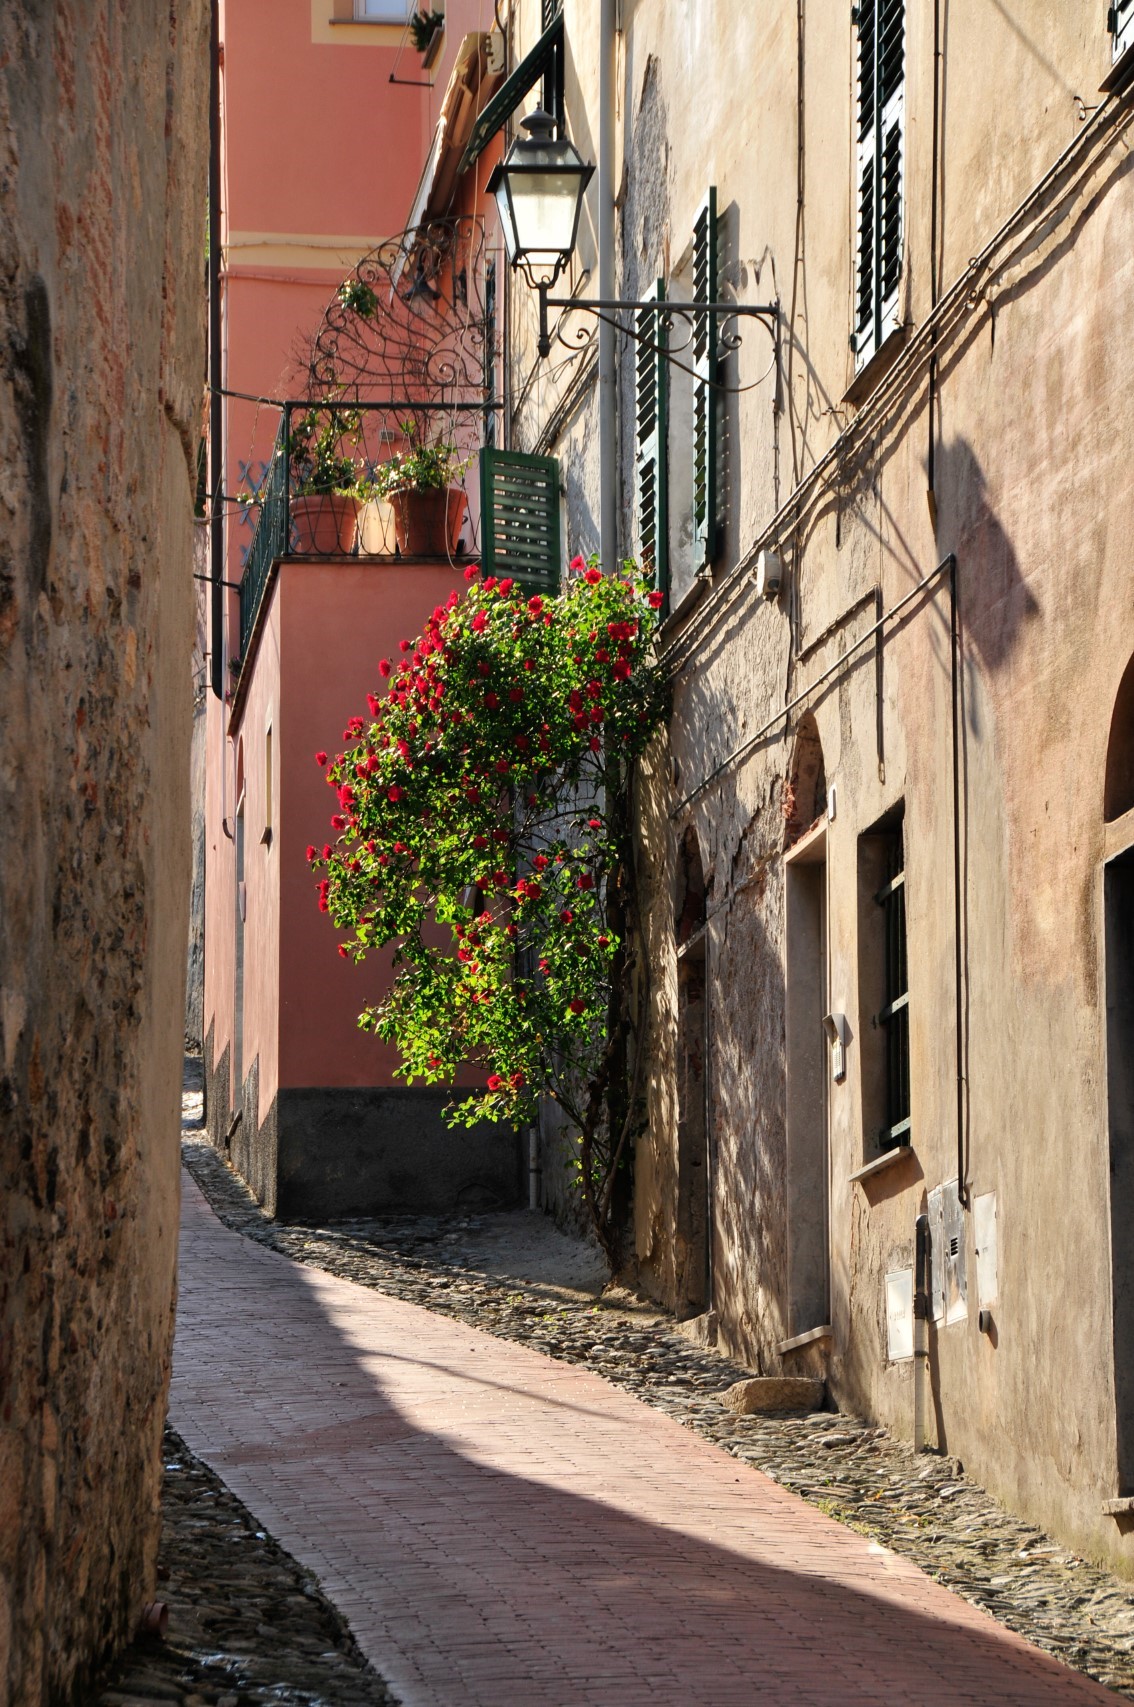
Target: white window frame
381, 11
1120, 23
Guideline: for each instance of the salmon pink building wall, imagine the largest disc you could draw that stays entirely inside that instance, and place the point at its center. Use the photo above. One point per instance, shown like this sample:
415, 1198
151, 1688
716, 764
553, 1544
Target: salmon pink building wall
322, 155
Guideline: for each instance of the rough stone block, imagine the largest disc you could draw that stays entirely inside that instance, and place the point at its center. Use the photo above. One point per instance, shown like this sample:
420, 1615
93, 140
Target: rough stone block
773, 1393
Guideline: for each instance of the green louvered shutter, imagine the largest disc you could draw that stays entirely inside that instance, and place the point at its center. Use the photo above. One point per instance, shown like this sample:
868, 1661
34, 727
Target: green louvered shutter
519, 518
880, 171
706, 433
651, 422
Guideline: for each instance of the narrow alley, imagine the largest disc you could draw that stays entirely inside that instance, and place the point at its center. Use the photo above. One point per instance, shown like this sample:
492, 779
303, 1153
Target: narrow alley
498, 1526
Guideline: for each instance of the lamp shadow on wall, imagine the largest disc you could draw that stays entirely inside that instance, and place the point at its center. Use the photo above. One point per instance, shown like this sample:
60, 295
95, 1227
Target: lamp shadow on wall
995, 603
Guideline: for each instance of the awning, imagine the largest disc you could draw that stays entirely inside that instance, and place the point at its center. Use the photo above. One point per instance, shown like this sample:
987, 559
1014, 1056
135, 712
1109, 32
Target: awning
470, 86
512, 91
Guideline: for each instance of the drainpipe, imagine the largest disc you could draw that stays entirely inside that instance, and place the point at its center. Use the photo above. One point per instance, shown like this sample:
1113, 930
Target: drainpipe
607, 391
920, 1330
216, 418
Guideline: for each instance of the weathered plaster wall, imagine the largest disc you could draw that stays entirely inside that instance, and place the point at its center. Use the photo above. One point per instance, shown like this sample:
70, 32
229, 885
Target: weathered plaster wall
1033, 488
102, 172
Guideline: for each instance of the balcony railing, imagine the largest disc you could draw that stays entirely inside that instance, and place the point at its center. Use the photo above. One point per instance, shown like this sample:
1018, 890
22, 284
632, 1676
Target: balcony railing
321, 494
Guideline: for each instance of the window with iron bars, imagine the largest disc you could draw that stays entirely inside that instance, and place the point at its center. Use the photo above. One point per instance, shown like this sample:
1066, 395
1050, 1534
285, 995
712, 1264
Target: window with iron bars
883, 981
894, 1015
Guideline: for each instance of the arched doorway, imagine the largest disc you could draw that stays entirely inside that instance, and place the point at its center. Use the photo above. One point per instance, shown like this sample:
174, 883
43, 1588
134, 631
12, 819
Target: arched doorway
694, 1213
806, 1205
1118, 911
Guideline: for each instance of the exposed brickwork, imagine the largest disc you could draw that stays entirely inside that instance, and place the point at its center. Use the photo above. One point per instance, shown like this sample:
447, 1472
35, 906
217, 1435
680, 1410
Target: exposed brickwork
103, 114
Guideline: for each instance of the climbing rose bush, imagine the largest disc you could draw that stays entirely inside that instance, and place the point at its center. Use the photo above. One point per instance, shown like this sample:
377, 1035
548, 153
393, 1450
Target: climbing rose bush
481, 828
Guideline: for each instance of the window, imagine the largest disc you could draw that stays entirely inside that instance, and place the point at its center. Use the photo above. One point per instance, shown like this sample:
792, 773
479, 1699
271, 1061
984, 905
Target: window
651, 433
1120, 23
880, 173
883, 986
382, 11
706, 396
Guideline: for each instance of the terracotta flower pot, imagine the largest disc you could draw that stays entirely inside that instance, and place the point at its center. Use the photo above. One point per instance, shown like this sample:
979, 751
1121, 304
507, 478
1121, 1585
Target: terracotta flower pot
323, 524
428, 524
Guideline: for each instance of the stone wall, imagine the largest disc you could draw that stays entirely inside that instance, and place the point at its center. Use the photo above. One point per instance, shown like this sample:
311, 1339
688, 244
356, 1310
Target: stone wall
103, 120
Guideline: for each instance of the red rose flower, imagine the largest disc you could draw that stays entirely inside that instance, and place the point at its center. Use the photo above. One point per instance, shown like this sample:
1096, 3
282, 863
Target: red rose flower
577, 565
491, 700
404, 646
586, 881
480, 622
594, 690
515, 695
471, 572
578, 1005
394, 793
495, 1082
656, 600
311, 852
338, 822
517, 1081
535, 604
320, 758
566, 915
593, 577
507, 584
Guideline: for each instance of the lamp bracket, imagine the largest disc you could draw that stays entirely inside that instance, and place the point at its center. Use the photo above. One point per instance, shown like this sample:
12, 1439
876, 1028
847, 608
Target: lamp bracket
666, 315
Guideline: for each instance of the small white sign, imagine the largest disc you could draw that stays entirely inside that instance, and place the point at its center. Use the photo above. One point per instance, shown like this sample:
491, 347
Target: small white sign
899, 1314
984, 1235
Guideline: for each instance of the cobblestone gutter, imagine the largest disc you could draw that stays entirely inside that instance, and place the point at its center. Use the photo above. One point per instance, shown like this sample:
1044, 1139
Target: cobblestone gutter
248, 1625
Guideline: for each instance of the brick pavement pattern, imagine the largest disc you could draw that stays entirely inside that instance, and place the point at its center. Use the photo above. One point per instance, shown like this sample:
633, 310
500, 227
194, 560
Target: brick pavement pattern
505, 1530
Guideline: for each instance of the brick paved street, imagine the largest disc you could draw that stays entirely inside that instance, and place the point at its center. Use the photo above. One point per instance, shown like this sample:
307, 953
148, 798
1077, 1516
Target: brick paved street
498, 1527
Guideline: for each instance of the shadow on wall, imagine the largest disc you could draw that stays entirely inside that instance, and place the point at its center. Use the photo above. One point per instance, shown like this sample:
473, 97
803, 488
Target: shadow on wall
995, 601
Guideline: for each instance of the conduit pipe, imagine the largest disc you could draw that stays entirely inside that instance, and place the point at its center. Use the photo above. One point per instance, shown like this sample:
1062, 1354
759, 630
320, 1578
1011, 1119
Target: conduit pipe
216, 404
920, 1330
607, 389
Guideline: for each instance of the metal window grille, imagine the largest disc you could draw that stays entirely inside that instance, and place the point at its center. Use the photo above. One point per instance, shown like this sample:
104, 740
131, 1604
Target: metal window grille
880, 172
894, 1017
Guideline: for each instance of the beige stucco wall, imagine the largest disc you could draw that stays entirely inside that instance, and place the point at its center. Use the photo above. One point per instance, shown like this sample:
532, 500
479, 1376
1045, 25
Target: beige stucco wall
103, 115
1033, 487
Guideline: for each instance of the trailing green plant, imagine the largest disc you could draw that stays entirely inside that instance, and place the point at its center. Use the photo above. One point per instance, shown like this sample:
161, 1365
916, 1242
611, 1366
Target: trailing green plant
422, 467
424, 25
483, 830
320, 447
357, 297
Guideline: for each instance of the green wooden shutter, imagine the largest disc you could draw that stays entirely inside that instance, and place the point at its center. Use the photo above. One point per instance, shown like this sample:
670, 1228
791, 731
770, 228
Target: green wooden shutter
706, 435
880, 173
651, 424
519, 518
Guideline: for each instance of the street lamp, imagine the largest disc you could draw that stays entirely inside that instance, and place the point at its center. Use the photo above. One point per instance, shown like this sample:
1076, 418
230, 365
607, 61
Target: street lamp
539, 189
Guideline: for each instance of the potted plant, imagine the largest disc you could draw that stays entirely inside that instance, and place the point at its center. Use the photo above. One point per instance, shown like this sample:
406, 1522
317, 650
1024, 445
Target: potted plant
427, 26
325, 497
418, 484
